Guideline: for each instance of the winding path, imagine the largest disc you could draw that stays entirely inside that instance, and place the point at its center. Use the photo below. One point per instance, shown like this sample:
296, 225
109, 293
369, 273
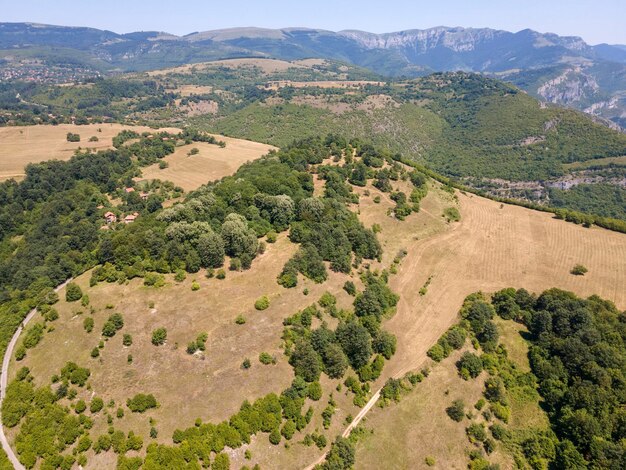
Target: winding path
4, 378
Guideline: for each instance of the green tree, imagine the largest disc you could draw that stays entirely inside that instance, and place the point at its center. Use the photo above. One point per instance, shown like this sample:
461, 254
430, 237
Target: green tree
456, 411
356, 343
73, 292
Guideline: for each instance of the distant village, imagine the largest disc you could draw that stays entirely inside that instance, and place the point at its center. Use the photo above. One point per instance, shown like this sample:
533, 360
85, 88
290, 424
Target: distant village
41, 73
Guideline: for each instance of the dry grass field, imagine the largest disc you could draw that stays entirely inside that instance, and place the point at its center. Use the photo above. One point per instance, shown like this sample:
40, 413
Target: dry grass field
492, 247
266, 65
212, 163
21, 145
321, 84
211, 386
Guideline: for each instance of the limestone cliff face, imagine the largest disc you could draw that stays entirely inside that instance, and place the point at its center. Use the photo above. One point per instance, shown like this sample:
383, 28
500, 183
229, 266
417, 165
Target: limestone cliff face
570, 88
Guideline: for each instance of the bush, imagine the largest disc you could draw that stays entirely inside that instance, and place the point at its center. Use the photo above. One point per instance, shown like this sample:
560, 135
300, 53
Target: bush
262, 303
315, 391
436, 353
579, 270
246, 364
350, 288
499, 432
240, 320
430, 461
96, 405
221, 274
195, 286
275, 436
73, 292
80, 407
71, 137
471, 363
154, 280
456, 411
271, 237
452, 214
266, 358
113, 324
501, 412
127, 340
476, 432
141, 402
159, 336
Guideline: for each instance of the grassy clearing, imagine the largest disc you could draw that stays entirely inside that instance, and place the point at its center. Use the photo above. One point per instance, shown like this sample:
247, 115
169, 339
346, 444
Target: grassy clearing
21, 145
211, 163
599, 162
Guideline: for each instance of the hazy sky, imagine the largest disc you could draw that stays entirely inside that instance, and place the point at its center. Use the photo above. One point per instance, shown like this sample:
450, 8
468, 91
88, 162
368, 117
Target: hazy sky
595, 21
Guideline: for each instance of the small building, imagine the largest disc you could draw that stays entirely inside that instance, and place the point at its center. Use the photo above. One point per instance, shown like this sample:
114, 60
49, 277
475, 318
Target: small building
129, 190
110, 217
130, 218
144, 196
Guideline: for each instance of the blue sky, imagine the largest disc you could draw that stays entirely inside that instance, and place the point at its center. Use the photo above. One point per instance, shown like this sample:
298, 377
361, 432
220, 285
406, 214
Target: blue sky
595, 21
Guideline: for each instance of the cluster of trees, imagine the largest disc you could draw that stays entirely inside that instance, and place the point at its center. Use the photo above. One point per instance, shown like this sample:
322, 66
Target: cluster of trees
48, 428
354, 342
141, 402
578, 355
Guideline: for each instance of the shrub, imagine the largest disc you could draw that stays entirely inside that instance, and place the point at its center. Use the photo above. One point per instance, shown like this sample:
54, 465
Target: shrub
221, 462
262, 303
579, 270
195, 286
315, 391
71, 137
271, 237
501, 412
240, 320
127, 340
154, 280
113, 324
95, 352
159, 336
141, 402
456, 411
73, 292
436, 353
350, 288
471, 363
452, 214
476, 432
430, 461
499, 432
246, 364
221, 274
266, 358
181, 275
96, 405
275, 436
80, 407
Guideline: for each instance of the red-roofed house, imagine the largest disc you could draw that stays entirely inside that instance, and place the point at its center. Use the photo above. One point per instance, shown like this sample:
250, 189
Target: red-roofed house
110, 217
130, 218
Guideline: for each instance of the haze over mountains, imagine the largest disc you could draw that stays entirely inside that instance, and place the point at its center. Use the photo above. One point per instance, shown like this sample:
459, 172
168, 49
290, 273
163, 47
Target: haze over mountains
558, 69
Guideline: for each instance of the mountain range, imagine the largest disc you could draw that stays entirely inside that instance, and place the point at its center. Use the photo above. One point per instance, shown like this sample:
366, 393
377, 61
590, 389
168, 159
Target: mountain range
560, 69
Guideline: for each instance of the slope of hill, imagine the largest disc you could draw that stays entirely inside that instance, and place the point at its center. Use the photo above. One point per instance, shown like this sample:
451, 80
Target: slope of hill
558, 69
161, 349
